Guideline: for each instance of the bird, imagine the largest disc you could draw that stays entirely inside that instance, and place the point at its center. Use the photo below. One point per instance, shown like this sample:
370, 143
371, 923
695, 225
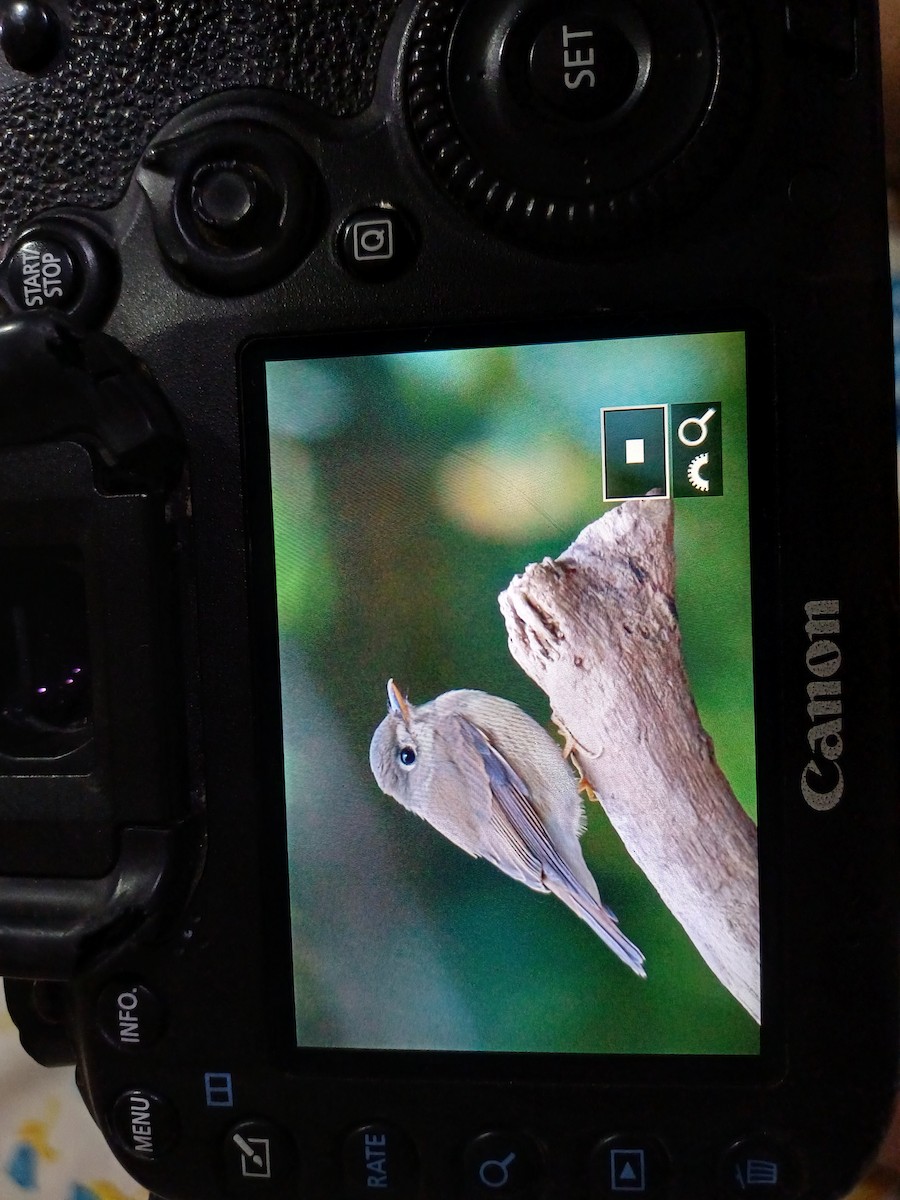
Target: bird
491, 780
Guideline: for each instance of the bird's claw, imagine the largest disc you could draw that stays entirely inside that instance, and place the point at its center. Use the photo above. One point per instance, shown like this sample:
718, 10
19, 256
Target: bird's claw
569, 752
583, 786
570, 742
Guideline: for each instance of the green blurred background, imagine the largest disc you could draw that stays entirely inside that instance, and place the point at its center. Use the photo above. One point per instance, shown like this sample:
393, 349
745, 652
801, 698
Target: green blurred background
407, 492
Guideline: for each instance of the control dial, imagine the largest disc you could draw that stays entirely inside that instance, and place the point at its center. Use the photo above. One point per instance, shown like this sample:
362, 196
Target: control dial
571, 126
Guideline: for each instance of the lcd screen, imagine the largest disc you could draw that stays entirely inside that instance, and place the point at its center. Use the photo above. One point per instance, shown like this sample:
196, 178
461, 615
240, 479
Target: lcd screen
514, 614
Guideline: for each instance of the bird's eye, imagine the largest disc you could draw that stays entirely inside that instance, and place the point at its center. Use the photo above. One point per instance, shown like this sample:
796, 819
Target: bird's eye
407, 757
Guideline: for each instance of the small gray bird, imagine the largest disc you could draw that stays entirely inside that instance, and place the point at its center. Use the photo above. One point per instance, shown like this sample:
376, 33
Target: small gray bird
495, 783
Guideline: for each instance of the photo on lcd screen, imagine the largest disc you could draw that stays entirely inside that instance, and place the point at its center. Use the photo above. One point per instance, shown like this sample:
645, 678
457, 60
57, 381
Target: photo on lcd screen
513, 592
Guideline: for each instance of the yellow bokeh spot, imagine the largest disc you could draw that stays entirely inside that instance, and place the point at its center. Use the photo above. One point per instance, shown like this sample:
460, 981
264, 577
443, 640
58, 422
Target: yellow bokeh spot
513, 494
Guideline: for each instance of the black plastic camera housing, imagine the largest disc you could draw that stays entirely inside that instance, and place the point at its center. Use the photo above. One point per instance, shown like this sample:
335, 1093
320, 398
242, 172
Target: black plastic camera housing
181, 186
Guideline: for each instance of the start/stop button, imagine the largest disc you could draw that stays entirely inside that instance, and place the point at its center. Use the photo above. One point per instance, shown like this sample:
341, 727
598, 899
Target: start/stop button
43, 273
62, 263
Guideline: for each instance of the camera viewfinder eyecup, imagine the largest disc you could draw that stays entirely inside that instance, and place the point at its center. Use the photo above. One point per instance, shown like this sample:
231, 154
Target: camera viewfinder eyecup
93, 751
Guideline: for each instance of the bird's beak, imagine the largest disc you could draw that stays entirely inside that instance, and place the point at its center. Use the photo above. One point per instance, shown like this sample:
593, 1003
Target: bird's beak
397, 702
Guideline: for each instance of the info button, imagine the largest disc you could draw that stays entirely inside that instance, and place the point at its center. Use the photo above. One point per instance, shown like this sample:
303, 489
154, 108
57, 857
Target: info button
129, 1015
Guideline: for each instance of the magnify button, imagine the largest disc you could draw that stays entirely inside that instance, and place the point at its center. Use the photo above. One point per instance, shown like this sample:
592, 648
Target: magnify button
502, 1164
494, 1172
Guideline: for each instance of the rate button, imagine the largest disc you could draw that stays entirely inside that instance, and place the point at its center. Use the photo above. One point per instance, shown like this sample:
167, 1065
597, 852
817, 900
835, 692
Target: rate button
378, 1160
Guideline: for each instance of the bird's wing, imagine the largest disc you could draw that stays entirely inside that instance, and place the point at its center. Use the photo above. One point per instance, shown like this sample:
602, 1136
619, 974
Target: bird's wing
523, 848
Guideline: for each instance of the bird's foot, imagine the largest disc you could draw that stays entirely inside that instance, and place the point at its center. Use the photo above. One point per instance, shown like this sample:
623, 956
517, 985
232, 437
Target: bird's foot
569, 752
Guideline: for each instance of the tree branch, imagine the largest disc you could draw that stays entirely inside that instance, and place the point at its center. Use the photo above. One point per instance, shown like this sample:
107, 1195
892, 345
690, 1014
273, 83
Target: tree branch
597, 630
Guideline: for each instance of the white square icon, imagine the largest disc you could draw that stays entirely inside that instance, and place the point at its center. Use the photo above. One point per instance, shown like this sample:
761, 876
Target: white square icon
373, 239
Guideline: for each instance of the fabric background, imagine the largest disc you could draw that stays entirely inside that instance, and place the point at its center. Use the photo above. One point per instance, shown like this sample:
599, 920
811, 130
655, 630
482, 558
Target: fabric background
50, 1148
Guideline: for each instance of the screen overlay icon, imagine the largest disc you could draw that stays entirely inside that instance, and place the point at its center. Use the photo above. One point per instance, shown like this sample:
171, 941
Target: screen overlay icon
662, 450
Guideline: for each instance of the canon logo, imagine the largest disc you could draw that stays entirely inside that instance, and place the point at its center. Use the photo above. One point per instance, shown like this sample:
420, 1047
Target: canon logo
822, 781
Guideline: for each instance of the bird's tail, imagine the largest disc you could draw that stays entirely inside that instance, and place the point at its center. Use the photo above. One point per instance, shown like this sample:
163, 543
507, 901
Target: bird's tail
602, 921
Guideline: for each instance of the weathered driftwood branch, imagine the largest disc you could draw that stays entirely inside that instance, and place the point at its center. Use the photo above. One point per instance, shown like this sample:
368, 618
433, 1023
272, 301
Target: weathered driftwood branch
597, 629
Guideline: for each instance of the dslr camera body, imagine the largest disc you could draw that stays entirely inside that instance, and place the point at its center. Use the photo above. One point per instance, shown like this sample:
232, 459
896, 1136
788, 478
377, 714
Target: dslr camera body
323, 324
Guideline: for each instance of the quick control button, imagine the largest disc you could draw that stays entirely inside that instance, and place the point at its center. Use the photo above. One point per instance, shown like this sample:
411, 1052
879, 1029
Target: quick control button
378, 1160
502, 1164
61, 263
129, 1015
582, 66
30, 35
144, 1124
257, 1154
760, 1168
377, 243
629, 1165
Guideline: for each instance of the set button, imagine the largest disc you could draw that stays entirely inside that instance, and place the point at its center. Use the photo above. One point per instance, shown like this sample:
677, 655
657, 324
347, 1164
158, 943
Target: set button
586, 67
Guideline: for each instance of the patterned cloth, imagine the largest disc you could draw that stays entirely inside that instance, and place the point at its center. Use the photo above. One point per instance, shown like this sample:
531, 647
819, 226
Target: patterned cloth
50, 1149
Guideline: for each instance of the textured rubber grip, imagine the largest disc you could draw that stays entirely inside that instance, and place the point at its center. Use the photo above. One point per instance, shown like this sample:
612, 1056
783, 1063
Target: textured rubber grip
129, 67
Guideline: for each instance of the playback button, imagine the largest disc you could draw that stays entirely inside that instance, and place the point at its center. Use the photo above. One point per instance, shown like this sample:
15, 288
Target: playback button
628, 1165
257, 1154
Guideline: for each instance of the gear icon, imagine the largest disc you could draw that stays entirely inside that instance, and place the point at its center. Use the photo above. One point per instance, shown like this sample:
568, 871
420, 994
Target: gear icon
693, 473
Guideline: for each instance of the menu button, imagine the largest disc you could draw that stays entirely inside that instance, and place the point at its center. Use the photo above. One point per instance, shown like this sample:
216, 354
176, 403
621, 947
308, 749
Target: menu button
145, 1125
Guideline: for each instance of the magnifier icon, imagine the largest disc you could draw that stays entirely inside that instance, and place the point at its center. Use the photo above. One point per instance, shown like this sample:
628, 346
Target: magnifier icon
494, 1172
700, 423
